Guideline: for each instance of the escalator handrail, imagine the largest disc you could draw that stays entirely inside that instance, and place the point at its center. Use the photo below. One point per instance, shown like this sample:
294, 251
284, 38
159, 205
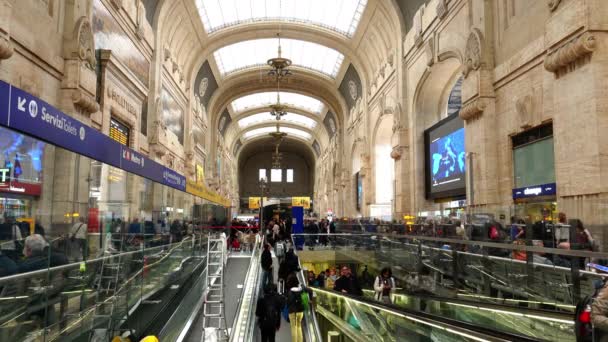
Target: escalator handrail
555, 315
459, 327
250, 319
76, 265
315, 323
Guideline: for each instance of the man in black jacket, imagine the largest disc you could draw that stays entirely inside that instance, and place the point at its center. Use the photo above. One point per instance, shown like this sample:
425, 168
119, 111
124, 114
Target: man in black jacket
347, 283
266, 266
268, 312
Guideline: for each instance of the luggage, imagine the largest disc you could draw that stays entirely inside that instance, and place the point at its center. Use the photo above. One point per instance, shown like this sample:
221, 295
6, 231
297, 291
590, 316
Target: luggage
280, 249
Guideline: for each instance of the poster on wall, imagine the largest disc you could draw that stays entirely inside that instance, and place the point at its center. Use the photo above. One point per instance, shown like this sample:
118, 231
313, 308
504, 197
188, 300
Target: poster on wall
445, 169
173, 115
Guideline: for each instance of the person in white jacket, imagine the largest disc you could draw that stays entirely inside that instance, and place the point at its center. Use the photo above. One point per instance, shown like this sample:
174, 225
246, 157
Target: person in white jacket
383, 285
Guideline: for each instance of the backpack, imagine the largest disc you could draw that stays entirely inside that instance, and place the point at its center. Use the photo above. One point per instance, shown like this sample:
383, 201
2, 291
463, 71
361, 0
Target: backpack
583, 328
494, 235
296, 301
280, 250
305, 300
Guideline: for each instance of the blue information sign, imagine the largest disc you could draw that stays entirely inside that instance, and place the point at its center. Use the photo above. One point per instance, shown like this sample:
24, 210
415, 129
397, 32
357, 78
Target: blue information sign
33, 116
535, 190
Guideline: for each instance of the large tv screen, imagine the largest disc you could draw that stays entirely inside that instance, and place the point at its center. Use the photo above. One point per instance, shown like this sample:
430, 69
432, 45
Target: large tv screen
445, 159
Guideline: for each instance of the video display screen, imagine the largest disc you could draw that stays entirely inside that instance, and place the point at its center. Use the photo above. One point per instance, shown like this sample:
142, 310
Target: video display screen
445, 159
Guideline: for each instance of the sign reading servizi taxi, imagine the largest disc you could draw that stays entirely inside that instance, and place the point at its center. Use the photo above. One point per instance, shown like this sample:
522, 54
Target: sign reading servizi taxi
26, 113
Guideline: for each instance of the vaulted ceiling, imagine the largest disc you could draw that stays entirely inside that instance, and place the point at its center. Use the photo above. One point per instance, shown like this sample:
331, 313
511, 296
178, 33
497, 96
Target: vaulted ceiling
235, 38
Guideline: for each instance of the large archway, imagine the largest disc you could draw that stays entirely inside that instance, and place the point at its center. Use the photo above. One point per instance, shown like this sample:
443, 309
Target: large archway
430, 106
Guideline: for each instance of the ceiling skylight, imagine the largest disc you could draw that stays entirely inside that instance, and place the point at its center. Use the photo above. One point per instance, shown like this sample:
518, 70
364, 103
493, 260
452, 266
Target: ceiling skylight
342, 16
289, 117
257, 100
255, 53
265, 130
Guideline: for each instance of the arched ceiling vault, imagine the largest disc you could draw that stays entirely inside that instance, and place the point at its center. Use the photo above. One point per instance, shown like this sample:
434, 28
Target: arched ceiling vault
265, 144
250, 82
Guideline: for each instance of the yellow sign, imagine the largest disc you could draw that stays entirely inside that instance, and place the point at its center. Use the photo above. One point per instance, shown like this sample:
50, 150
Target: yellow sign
200, 174
254, 202
203, 192
301, 202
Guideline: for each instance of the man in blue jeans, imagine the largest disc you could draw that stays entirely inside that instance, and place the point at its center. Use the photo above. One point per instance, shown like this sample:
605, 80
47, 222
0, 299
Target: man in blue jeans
266, 266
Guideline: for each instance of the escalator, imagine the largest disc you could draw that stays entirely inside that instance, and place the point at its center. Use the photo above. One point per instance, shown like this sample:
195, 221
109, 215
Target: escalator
471, 297
348, 318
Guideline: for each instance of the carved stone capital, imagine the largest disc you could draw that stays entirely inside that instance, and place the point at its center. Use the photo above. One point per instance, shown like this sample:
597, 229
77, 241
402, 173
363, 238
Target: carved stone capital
81, 45
579, 47
117, 3
6, 48
442, 9
523, 105
85, 102
158, 150
397, 152
473, 109
553, 4
473, 58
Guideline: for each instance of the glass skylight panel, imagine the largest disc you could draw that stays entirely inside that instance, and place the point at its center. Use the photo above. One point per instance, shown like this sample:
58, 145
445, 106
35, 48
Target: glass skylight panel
342, 16
266, 117
265, 99
265, 130
255, 53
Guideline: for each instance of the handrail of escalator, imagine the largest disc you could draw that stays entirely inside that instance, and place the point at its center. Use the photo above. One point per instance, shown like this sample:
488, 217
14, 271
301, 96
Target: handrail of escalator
461, 328
311, 329
243, 326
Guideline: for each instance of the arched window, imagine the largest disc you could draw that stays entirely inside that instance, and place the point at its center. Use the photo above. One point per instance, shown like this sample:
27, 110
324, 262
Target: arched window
455, 99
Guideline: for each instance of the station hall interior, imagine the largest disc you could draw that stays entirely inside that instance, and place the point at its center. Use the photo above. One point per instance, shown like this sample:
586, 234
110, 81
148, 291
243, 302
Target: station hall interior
303, 170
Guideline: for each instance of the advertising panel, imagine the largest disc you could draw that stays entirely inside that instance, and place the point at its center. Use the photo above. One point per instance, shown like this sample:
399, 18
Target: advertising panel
303, 202
445, 169
254, 202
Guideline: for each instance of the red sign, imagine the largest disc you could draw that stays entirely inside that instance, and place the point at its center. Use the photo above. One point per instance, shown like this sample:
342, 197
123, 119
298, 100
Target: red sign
93, 224
15, 187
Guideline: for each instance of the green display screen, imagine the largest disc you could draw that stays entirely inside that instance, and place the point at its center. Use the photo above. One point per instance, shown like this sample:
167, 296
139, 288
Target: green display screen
534, 163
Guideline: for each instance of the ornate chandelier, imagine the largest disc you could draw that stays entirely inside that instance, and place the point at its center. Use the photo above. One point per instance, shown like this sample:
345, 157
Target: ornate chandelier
279, 70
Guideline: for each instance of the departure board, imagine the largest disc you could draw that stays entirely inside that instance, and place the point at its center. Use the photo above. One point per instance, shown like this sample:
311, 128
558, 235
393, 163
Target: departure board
119, 132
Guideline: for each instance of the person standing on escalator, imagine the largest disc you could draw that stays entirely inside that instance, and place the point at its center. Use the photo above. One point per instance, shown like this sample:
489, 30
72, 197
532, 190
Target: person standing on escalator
266, 263
383, 285
268, 312
347, 283
297, 302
